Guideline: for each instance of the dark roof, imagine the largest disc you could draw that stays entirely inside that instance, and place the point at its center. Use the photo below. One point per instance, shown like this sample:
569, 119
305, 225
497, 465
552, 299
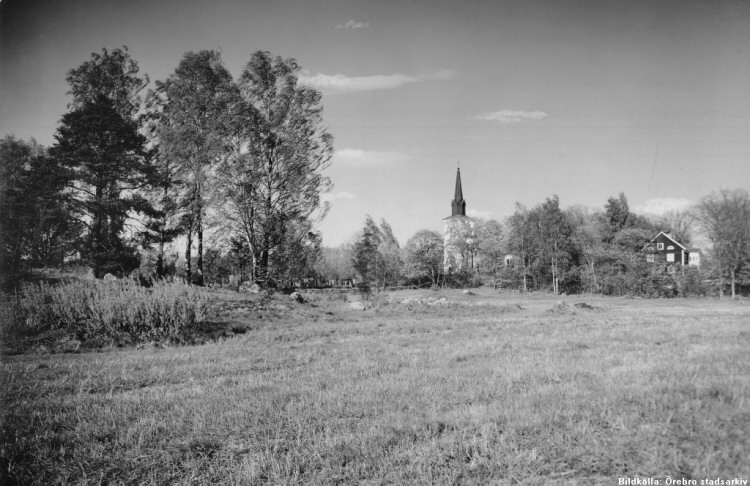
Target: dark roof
458, 205
669, 237
459, 196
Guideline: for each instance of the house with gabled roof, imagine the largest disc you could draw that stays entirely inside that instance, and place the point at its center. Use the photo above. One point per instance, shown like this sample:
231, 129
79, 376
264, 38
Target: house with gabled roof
663, 248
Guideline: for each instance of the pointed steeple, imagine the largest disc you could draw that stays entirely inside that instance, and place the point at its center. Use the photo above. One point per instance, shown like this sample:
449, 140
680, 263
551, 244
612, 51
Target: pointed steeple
458, 205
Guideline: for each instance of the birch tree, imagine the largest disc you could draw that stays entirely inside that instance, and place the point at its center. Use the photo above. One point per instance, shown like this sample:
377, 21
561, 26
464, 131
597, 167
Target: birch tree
519, 240
279, 153
195, 103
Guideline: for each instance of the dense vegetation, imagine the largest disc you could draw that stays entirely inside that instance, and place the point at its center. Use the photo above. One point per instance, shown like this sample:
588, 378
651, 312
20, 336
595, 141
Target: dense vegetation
573, 250
127, 177
131, 178
106, 312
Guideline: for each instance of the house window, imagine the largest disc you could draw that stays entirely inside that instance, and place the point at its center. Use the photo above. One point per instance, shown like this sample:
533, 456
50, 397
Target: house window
660, 246
670, 257
670, 247
650, 258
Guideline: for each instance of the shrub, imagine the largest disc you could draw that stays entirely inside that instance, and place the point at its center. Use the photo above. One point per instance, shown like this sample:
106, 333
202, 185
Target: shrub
690, 282
462, 280
115, 311
365, 290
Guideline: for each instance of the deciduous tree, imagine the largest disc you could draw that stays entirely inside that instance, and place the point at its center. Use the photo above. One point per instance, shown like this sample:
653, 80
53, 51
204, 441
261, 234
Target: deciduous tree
553, 237
388, 271
679, 224
376, 255
273, 176
724, 216
520, 241
492, 248
590, 231
336, 263
35, 226
424, 256
193, 114
617, 212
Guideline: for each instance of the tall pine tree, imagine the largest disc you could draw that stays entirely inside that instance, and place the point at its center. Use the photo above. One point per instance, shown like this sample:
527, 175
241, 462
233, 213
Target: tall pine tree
107, 163
100, 144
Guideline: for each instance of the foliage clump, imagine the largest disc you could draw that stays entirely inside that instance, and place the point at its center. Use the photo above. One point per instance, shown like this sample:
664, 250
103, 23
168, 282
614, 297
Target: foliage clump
116, 312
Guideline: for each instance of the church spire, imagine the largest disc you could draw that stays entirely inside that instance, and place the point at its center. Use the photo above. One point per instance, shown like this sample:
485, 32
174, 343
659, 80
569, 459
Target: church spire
458, 205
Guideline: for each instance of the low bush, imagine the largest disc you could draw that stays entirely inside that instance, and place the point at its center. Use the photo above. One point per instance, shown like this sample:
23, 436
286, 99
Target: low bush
463, 280
115, 311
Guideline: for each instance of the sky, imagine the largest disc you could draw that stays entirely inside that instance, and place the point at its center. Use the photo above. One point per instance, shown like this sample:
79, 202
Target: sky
579, 99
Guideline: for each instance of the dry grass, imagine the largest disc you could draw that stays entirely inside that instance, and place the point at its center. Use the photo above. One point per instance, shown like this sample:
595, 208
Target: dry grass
99, 312
399, 394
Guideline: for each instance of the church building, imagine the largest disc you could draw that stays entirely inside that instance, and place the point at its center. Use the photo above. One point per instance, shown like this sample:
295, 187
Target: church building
458, 234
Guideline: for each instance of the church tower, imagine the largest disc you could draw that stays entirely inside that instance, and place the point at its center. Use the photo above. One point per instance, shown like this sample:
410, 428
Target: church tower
458, 233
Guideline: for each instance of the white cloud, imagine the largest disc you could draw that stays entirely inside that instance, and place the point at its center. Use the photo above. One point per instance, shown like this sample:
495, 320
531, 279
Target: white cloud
353, 25
356, 157
343, 83
658, 206
512, 116
476, 213
350, 153
332, 196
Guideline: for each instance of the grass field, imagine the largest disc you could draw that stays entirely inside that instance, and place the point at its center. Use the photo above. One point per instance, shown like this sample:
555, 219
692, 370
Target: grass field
492, 388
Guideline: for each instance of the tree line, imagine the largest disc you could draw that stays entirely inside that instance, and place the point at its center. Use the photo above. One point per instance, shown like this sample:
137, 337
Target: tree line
232, 170
133, 170
573, 250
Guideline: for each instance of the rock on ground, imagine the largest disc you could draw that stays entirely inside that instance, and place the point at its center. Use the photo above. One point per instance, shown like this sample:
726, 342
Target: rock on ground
250, 288
428, 301
357, 306
562, 307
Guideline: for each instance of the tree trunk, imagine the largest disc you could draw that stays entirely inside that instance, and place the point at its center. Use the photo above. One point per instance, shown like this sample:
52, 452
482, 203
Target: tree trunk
250, 238
593, 276
160, 259
199, 262
554, 278
188, 255
734, 282
96, 232
262, 271
160, 271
